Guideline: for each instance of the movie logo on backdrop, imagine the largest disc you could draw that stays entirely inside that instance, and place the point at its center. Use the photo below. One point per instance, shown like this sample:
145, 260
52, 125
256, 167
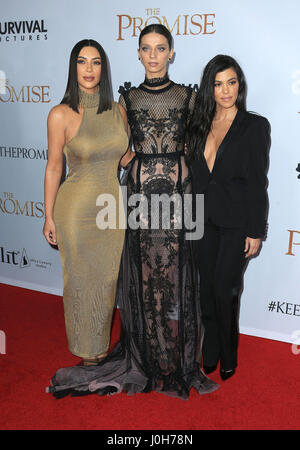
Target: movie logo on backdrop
20, 259
28, 208
24, 94
23, 153
183, 25
23, 30
293, 234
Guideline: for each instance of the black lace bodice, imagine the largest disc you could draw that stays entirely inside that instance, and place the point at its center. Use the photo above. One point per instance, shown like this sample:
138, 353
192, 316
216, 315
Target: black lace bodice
158, 118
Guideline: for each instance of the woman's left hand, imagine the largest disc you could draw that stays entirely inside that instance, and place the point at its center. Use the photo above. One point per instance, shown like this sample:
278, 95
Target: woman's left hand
251, 246
127, 158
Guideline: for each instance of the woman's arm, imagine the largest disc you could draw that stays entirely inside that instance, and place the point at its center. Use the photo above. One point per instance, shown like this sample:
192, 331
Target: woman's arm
259, 142
53, 172
129, 155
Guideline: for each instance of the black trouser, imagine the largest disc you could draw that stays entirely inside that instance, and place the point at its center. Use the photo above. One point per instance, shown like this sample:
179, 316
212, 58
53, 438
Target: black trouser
220, 258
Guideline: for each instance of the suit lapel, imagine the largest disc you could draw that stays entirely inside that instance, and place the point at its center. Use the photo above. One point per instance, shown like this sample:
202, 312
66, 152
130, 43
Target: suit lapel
230, 135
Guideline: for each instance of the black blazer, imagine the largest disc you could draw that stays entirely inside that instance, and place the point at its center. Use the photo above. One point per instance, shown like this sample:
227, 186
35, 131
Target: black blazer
235, 191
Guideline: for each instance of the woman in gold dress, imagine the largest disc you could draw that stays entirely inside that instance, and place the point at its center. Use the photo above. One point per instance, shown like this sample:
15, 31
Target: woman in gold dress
90, 129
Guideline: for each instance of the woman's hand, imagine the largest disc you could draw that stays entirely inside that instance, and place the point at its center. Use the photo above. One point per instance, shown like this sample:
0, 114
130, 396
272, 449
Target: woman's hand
125, 160
251, 246
49, 231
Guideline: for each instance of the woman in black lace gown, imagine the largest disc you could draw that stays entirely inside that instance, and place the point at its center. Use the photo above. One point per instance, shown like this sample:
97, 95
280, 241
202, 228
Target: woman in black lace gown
158, 290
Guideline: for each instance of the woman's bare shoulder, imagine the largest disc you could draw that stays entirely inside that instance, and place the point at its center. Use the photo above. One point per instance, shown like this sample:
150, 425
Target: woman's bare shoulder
60, 113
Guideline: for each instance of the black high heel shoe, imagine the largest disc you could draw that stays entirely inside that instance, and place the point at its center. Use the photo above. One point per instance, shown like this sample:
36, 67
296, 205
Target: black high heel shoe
225, 374
209, 369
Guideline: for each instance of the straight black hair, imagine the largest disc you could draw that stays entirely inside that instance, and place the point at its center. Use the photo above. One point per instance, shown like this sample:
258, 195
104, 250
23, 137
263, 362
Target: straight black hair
71, 97
205, 104
157, 28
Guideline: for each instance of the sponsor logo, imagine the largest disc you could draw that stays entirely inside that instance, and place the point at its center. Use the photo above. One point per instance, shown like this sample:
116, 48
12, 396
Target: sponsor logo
16, 258
29, 208
182, 25
24, 94
23, 30
19, 258
23, 153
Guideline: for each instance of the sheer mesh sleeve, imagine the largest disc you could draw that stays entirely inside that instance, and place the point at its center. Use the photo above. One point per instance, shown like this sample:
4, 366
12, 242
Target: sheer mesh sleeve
122, 101
191, 104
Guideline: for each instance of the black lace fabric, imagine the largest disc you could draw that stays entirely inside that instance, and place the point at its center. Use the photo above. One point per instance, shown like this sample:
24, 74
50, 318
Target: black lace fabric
158, 289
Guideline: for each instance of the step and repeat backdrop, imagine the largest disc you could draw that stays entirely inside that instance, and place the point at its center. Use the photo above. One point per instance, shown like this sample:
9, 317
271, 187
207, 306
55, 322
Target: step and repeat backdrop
35, 43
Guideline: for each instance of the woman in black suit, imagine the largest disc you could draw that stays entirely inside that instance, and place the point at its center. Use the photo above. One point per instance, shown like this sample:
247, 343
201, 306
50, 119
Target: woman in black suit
227, 149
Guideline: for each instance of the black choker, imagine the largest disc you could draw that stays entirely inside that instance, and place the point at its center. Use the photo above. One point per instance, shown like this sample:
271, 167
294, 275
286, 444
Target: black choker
154, 82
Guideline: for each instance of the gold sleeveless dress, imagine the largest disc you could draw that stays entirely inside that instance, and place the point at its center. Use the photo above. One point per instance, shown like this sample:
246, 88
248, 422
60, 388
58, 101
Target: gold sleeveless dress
90, 256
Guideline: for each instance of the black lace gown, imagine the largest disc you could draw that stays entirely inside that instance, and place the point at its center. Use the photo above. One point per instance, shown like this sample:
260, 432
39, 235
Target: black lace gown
158, 290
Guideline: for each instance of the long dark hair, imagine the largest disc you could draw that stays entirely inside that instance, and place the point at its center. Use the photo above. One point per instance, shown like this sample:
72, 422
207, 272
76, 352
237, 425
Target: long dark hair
205, 105
159, 29
71, 97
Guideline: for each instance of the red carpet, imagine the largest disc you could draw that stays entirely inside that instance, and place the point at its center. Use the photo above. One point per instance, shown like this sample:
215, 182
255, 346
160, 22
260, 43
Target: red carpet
262, 395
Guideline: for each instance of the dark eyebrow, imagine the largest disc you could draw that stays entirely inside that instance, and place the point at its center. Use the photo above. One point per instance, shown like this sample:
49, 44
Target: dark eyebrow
157, 45
230, 79
83, 57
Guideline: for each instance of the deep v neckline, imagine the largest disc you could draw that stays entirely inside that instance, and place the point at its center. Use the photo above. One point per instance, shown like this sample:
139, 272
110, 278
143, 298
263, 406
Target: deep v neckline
222, 144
